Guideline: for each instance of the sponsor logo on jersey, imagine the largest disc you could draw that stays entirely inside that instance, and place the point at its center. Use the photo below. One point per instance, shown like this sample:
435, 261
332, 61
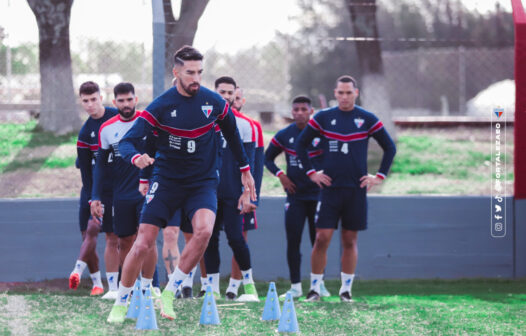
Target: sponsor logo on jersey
149, 198
358, 122
333, 122
291, 140
92, 134
315, 142
174, 113
116, 134
207, 110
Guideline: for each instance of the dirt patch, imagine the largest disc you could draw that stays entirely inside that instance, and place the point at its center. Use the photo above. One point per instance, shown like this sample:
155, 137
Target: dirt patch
59, 182
47, 286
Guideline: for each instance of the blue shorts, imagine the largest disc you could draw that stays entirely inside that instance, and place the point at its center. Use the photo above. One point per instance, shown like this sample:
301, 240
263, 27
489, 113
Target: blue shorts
181, 221
165, 197
347, 204
126, 216
107, 218
250, 221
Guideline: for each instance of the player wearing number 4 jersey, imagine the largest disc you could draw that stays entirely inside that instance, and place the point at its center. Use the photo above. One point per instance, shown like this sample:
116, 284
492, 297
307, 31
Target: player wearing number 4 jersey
346, 130
184, 172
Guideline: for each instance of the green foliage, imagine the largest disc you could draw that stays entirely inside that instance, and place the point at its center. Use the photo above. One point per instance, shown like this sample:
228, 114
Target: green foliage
24, 59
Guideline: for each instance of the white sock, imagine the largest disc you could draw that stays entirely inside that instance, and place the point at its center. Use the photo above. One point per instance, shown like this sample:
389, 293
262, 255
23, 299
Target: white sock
347, 280
146, 283
213, 280
79, 268
233, 286
176, 279
96, 279
315, 281
112, 278
296, 287
189, 280
247, 277
123, 294
204, 283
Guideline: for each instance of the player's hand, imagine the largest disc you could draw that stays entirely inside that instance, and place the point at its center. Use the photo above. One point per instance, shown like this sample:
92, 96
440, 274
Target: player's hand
321, 179
96, 210
249, 185
244, 205
287, 184
369, 181
143, 188
143, 161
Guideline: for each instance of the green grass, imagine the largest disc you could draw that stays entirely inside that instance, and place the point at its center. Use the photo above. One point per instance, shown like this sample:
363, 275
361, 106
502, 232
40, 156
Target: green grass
15, 138
386, 307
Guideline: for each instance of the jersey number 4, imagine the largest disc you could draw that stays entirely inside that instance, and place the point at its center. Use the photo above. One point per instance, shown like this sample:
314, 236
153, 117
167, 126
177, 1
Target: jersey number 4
345, 148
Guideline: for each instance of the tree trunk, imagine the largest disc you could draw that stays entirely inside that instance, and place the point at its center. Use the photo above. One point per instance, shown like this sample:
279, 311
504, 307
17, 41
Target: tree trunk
181, 31
58, 110
374, 91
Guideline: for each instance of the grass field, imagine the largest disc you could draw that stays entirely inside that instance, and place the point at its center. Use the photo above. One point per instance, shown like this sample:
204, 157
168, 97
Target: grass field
409, 307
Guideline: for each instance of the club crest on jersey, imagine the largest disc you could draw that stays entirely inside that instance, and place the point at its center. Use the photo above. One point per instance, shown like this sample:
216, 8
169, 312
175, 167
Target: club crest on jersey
149, 198
207, 110
315, 142
358, 122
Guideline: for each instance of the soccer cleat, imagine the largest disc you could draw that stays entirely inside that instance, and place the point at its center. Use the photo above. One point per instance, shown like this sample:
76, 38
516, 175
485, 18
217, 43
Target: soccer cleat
74, 280
187, 293
117, 314
178, 293
96, 291
229, 296
345, 297
312, 296
110, 295
156, 293
324, 291
295, 293
167, 304
201, 293
250, 289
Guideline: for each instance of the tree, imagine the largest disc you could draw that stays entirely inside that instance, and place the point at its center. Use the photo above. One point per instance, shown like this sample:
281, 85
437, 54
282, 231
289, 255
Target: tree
376, 95
180, 31
58, 111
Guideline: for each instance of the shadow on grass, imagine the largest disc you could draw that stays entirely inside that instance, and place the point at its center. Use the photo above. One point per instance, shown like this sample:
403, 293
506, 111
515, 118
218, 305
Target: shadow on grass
47, 143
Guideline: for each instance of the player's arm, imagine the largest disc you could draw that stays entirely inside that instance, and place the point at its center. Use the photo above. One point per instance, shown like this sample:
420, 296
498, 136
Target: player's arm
227, 123
259, 159
380, 134
84, 157
99, 174
302, 144
273, 150
129, 144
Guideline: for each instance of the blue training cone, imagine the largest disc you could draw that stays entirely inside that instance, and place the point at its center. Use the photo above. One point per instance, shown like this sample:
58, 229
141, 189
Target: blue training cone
147, 319
135, 302
271, 310
209, 313
288, 321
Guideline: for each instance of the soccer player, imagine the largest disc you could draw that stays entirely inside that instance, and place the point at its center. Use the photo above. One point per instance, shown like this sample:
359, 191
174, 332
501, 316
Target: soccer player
250, 219
228, 215
184, 174
346, 130
87, 146
302, 193
127, 200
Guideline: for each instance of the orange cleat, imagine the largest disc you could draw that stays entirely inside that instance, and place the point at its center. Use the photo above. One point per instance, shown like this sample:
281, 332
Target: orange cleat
74, 280
96, 291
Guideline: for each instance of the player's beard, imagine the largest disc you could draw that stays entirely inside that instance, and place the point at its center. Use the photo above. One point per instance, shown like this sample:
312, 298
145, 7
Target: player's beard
127, 112
191, 88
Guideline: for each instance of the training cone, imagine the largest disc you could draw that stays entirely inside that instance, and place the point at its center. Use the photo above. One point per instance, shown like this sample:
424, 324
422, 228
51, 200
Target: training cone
135, 302
209, 313
288, 321
271, 310
146, 319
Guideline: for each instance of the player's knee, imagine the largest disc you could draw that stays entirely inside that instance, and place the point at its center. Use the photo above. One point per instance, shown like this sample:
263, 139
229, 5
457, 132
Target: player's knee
93, 229
349, 244
142, 247
238, 243
112, 241
170, 236
322, 240
203, 232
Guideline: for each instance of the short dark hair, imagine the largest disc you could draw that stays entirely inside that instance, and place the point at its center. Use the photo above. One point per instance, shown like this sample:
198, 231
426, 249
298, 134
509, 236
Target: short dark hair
123, 88
88, 88
302, 99
187, 53
225, 79
347, 79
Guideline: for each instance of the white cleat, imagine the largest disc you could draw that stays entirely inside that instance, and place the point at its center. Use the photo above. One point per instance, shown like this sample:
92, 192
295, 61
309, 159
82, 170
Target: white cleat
110, 295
